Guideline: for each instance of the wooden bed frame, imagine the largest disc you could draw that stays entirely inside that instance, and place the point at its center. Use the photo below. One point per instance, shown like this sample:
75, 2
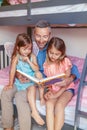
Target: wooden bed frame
55, 18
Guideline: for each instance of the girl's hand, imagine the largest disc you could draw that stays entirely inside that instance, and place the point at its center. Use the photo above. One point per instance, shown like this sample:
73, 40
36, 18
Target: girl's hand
8, 87
46, 97
52, 89
53, 95
49, 95
26, 59
49, 88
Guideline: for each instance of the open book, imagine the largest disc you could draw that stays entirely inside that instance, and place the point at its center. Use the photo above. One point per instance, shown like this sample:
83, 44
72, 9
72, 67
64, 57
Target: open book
44, 81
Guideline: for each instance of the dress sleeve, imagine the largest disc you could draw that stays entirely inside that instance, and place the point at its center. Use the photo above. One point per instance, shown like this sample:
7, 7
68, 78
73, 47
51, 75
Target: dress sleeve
45, 68
67, 63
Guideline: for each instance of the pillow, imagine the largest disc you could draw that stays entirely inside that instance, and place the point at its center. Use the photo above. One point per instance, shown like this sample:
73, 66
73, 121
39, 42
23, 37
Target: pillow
14, 2
79, 62
37, 0
9, 46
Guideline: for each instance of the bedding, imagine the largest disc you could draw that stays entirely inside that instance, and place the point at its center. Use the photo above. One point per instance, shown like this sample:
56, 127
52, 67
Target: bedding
13, 2
4, 74
70, 109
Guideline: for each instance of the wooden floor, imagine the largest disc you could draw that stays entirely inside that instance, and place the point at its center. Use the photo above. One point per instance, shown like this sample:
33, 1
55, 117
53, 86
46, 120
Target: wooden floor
36, 127
69, 127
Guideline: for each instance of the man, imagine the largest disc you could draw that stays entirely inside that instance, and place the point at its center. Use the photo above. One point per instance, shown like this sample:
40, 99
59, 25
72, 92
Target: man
42, 33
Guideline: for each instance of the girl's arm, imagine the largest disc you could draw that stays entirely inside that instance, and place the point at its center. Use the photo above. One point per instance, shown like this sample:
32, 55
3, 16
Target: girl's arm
13, 70
32, 63
42, 100
12, 73
51, 95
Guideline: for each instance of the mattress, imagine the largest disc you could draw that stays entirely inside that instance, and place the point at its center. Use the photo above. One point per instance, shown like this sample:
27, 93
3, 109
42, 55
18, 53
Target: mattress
69, 114
4, 76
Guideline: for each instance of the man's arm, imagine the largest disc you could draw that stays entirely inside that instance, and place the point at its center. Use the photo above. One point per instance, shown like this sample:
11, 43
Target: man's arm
21, 78
75, 73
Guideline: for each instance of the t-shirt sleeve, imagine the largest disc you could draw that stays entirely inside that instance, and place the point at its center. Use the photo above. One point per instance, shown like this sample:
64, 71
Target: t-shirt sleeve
45, 68
75, 71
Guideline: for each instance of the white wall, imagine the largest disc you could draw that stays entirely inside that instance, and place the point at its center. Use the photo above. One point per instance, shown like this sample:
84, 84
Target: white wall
75, 40
9, 33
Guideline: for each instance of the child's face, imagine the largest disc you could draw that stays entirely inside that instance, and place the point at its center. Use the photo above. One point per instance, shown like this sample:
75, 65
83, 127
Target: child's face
25, 50
54, 54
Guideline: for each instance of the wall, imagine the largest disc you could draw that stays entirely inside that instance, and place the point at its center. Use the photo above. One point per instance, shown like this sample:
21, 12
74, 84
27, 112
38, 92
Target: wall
9, 33
75, 40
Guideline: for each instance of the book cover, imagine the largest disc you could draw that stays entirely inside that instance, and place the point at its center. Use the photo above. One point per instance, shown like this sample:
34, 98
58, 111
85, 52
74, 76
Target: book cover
45, 81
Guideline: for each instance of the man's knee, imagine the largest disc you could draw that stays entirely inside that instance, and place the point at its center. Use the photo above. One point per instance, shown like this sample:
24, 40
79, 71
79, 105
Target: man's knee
5, 95
21, 96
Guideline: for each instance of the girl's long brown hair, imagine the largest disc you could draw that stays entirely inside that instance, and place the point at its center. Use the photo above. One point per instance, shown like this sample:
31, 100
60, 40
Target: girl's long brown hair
22, 40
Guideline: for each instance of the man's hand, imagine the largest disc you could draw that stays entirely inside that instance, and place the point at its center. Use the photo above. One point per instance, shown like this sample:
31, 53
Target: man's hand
21, 78
25, 59
65, 81
50, 95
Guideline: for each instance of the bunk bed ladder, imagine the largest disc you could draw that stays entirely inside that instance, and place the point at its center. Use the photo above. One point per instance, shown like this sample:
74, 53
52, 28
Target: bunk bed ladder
83, 82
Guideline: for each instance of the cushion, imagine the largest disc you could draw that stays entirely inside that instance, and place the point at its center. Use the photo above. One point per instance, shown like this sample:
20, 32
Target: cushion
9, 48
13, 2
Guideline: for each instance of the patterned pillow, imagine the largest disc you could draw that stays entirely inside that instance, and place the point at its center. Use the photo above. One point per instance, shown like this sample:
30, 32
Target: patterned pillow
9, 48
79, 62
13, 2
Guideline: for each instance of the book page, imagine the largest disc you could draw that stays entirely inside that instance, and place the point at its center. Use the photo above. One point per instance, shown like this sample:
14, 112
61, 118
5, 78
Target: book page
45, 81
53, 79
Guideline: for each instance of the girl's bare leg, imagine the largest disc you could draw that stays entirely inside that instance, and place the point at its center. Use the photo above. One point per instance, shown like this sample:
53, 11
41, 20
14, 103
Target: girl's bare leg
41, 89
50, 114
59, 109
32, 102
42, 100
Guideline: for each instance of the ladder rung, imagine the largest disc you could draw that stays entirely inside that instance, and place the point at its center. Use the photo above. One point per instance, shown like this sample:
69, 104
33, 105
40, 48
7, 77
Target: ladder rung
82, 114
